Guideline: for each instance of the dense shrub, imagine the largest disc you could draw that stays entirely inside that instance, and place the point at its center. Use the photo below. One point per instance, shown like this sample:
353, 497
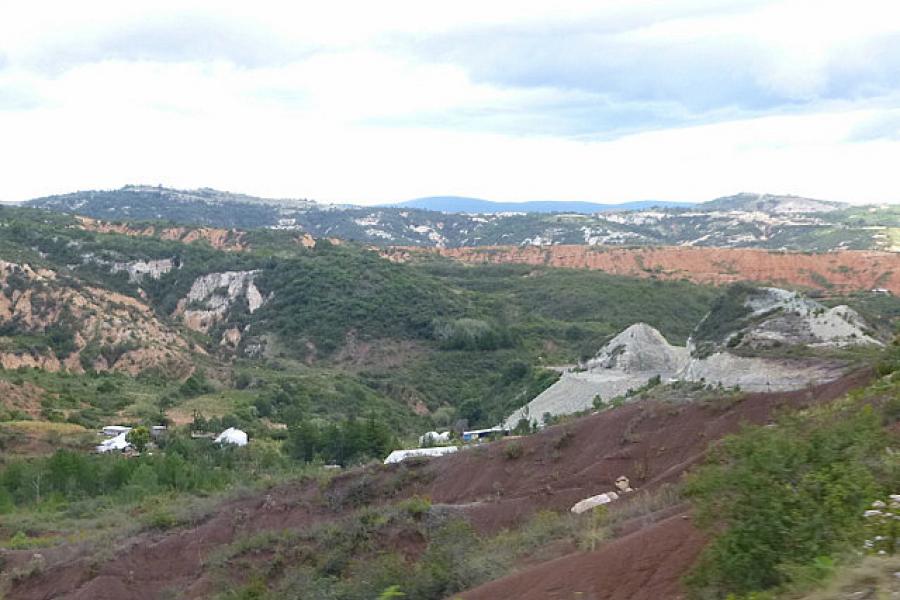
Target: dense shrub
778, 498
187, 465
341, 443
470, 334
320, 296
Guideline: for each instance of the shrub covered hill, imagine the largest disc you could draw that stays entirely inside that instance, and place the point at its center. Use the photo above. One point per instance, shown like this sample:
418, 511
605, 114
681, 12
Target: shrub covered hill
278, 329
740, 221
329, 354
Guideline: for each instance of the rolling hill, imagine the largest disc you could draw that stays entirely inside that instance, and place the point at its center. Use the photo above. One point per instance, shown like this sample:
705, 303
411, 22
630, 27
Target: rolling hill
461, 204
742, 221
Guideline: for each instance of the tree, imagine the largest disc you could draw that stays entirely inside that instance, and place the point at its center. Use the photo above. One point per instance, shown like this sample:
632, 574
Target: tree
471, 411
199, 423
139, 437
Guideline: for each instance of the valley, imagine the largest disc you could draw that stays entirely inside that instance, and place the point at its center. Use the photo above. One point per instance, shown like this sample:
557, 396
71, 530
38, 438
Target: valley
588, 363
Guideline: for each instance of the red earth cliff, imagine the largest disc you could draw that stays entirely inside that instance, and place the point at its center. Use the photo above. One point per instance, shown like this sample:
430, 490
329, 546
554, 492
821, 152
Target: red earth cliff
832, 271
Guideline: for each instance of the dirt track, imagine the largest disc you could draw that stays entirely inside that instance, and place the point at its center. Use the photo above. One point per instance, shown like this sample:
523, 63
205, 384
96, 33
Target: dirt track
831, 271
650, 443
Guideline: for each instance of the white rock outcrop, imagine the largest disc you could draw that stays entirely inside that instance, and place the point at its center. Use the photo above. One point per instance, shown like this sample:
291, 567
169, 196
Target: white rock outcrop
212, 295
593, 502
639, 349
777, 318
627, 362
138, 269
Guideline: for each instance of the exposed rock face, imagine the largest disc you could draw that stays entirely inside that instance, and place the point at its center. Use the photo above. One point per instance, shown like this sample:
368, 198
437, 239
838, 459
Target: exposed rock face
755, 319
845, 270
795, 319
91, 327
774, 317
212, 296
221, 239
138, 269
231, 338
755, 374
636, 355
640, 349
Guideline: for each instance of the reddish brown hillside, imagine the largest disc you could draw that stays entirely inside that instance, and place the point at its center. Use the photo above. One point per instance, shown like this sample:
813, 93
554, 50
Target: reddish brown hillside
645, 565
840, 271
651, 443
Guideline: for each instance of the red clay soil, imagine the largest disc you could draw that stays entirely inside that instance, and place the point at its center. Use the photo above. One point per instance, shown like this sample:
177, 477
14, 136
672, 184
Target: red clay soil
835, 271
651, 443
645, 565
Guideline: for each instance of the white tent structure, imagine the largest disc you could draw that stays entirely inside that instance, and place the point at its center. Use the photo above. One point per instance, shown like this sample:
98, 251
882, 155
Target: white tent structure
399, 455
232, 436
434, 438
113, 444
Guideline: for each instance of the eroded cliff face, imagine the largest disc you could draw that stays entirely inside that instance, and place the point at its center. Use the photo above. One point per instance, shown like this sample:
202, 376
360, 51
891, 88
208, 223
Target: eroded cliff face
58, 323
221, 239
213, 296
835, 271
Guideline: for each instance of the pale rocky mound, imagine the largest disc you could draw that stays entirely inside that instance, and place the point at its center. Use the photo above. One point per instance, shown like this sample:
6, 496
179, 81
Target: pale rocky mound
212, 296
639, 349
795, 319
82, 327
755, 374
776, 318
625, 363
749, 320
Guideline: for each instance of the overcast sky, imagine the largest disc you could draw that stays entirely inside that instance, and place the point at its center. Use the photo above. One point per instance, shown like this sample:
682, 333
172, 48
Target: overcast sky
368, 102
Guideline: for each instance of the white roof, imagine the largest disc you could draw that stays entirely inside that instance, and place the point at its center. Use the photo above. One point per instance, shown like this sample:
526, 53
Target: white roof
398, 455
232, 436
115, 429
489, 430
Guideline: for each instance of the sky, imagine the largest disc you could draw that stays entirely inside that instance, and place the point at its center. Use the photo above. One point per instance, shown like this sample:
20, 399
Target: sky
368, 102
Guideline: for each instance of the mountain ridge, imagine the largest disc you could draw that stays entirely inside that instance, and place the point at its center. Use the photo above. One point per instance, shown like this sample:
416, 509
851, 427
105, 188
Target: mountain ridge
464, 204
745, 220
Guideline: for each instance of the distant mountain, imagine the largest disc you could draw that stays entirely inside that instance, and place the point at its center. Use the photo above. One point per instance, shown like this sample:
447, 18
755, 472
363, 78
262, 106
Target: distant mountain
462, 204
202, 206
771, 203
744, 220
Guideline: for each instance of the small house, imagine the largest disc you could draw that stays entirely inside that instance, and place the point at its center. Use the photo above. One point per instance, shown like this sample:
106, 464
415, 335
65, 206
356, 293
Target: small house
480, 434
114, 430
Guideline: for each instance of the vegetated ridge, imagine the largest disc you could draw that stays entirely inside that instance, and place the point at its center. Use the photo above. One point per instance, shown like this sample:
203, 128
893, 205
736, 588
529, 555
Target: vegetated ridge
745, 220
460, 204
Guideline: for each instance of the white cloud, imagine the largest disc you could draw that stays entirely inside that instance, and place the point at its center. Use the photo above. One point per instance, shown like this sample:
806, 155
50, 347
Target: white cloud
367, 102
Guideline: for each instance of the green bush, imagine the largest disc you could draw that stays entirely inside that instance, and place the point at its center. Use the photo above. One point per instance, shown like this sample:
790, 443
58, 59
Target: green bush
513, 450
776, 499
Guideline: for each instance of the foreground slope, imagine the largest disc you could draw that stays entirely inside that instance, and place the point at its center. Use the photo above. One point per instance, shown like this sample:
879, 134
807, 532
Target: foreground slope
651, 443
